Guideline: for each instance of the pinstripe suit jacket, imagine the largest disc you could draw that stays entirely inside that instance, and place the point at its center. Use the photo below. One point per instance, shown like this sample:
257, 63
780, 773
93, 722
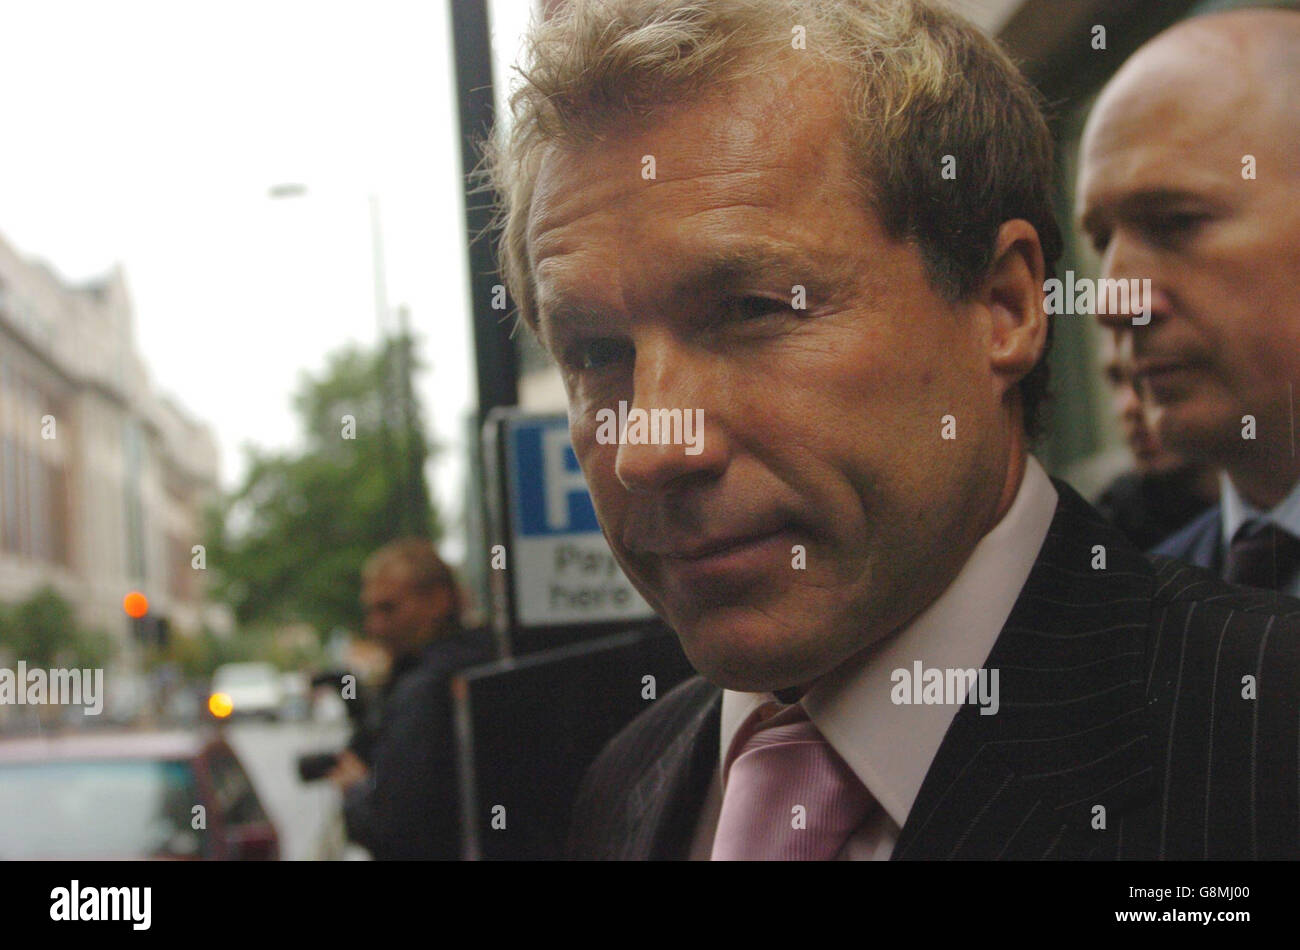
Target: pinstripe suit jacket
1121, 688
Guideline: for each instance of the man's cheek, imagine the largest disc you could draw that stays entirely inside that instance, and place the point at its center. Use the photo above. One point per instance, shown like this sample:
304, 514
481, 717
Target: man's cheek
602, 481
586, 452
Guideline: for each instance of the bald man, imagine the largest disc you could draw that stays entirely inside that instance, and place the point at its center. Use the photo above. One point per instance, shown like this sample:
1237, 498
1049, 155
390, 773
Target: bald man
1190, 177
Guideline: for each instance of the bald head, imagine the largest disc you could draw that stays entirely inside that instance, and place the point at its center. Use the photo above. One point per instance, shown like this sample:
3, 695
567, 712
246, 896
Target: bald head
1243, 65
1263, 45
1190, 177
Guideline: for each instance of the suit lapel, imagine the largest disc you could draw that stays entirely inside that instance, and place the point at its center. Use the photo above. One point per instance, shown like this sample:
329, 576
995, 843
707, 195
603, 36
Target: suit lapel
1070, 736
665, 802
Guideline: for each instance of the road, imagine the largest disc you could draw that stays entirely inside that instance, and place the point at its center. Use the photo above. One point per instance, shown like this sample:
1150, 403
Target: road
307, 815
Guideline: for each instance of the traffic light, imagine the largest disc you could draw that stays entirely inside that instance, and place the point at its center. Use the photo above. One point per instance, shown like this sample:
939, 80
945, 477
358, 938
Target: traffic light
151, 630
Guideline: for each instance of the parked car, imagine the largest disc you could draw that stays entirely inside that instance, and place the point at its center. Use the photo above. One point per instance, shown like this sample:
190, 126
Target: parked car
246, 689
137, 795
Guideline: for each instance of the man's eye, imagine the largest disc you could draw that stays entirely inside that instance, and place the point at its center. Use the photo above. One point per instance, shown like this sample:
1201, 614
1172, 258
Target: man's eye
1169, 228
1100, 241
596, 354
753, 308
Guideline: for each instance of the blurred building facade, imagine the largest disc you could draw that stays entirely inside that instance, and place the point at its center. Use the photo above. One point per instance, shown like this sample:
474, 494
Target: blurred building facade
102, 481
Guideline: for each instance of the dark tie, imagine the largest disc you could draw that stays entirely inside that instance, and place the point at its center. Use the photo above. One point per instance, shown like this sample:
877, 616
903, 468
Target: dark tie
1266, 558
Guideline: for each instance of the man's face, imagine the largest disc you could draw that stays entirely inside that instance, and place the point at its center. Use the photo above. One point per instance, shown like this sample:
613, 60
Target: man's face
825, 509
398, 616
1131, 408
1162, 195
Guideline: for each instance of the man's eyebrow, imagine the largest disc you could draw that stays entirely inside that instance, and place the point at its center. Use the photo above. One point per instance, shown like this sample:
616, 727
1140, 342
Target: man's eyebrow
561, 312
744, 264
725, 270
1139, 203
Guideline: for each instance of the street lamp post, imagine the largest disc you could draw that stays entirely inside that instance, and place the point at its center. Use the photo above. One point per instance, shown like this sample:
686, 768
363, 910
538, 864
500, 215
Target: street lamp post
402, 475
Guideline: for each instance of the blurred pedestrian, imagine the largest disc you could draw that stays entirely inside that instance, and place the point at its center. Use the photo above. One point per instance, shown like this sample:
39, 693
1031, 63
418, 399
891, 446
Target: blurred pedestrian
1164, 490
400, 783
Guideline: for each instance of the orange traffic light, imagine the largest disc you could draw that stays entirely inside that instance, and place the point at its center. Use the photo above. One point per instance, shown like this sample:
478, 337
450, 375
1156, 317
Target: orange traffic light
135, 604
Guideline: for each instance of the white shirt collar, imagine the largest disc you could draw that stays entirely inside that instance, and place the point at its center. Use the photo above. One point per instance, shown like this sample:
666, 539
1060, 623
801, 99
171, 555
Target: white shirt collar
890, 747
1237, 511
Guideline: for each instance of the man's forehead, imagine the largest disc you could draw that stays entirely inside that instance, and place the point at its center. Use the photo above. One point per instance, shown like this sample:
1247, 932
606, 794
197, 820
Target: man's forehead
1149, 146
1182, 91
735, 134
717, 219
389, 579
694, 148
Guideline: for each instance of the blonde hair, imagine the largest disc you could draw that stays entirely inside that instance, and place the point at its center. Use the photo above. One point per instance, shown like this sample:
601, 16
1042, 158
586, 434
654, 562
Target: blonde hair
425, 570
923, 84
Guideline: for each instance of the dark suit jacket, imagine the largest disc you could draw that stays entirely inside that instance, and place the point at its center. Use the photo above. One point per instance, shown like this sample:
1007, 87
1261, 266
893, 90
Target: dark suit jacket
1119, 688
1149, 508
410, 807
1199, 542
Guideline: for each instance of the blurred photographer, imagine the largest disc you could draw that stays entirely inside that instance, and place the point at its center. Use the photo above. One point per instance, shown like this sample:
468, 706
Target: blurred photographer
402, 802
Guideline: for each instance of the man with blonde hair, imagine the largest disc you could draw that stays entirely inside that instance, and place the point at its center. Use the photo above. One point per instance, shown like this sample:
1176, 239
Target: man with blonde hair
826, 226
400, 787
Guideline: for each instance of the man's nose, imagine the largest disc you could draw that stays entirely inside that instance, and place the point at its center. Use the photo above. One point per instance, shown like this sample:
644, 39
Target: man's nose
1128, 258
676, 440
1130, 404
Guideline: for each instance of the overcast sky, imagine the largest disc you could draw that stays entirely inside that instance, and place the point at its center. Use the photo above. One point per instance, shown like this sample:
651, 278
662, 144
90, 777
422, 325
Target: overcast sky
148, 133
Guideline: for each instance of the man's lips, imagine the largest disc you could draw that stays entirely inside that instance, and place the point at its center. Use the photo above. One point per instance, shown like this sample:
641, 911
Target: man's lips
728, 568
704, 550
1160, 376
1156, 367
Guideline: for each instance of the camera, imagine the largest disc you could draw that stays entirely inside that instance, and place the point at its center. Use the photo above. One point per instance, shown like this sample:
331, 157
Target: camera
316, 765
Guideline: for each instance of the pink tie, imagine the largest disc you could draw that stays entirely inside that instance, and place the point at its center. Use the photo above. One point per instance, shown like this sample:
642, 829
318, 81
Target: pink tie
788, 795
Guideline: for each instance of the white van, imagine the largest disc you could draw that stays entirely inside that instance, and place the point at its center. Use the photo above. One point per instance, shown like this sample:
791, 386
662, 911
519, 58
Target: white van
246, 689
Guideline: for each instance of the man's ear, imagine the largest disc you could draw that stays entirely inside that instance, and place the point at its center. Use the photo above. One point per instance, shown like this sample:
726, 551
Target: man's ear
1012, 296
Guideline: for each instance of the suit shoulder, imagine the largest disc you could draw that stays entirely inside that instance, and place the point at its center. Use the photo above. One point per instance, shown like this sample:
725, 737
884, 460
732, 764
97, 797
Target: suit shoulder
632, 750
438, 663
601, 824
1202, 623
463, 649
1181, 543
1180, 583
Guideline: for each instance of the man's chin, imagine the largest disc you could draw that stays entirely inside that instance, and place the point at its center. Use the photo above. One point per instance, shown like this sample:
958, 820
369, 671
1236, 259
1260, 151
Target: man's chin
753, 655
1159, 463
1197, 431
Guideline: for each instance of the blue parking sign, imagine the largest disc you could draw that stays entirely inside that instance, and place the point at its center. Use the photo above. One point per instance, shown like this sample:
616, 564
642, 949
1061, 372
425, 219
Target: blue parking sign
561, 568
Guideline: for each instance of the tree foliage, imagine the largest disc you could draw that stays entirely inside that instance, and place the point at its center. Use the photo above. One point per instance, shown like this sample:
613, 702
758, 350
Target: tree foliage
198, 656
289, 542
43, 631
